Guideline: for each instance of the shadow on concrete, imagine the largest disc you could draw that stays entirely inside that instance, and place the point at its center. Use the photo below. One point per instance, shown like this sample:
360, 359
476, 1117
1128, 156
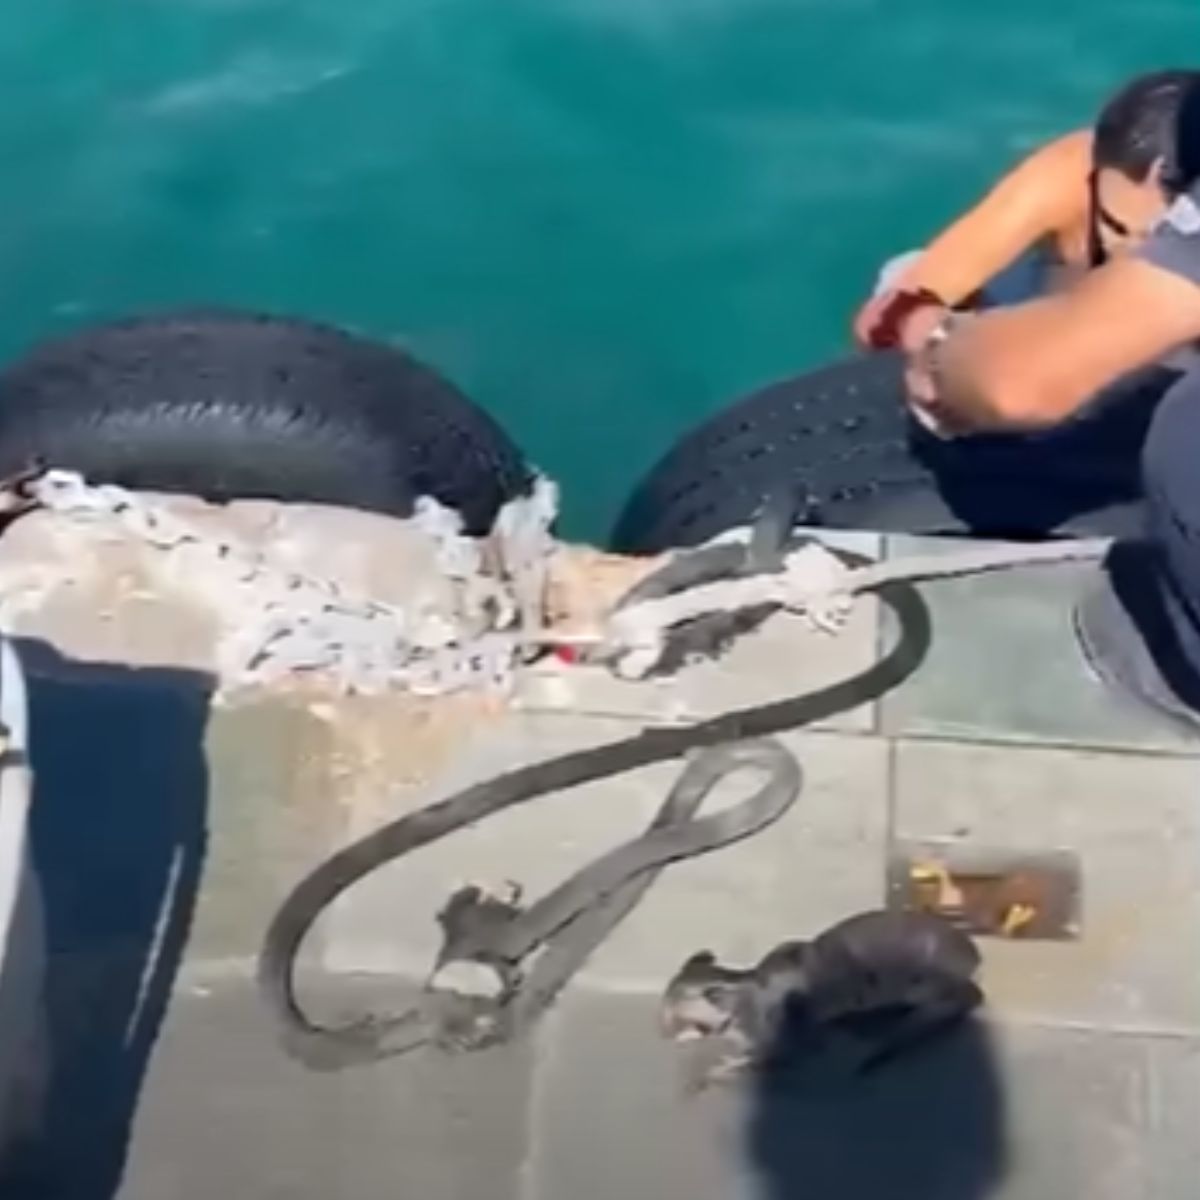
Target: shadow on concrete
118, 839
930, 1124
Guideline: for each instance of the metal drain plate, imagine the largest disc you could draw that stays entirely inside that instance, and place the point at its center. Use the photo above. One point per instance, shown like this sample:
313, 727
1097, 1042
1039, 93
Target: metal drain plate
1016, 894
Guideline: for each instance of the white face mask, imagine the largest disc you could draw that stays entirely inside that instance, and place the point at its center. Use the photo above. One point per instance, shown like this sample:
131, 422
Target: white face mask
1183, 216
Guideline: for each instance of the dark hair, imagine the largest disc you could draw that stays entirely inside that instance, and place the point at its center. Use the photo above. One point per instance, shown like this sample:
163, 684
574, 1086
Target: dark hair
1141, 124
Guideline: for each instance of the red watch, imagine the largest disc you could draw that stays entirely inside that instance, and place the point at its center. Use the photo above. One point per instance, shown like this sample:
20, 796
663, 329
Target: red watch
901, 306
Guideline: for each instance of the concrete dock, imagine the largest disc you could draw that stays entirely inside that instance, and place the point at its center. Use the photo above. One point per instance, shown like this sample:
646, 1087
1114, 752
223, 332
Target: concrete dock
168, 828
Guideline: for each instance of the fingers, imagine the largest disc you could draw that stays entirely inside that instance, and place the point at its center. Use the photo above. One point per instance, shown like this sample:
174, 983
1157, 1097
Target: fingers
866, 322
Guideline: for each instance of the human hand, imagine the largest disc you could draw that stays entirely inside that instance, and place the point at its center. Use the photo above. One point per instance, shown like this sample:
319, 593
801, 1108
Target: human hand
920, 377
922, 404
915, 327
884, 321
869, 318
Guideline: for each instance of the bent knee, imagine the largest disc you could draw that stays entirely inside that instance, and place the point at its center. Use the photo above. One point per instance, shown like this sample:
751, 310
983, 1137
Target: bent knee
1172, 450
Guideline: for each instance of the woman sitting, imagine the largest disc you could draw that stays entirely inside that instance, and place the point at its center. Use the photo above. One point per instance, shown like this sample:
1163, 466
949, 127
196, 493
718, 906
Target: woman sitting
1065, 209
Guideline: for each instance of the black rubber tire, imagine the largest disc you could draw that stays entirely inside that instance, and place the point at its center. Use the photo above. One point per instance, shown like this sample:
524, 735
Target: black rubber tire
225, 404
843, 438
839, 433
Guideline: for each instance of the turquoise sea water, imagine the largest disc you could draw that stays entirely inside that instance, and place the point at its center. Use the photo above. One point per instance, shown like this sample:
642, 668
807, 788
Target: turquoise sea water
602, 218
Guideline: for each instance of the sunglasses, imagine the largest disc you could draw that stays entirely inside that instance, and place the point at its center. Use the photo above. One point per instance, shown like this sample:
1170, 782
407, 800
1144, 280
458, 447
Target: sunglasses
1100, 219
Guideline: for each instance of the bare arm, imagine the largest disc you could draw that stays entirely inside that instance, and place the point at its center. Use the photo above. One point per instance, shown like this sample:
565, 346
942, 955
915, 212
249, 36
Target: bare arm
1035, 364
1042, 195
